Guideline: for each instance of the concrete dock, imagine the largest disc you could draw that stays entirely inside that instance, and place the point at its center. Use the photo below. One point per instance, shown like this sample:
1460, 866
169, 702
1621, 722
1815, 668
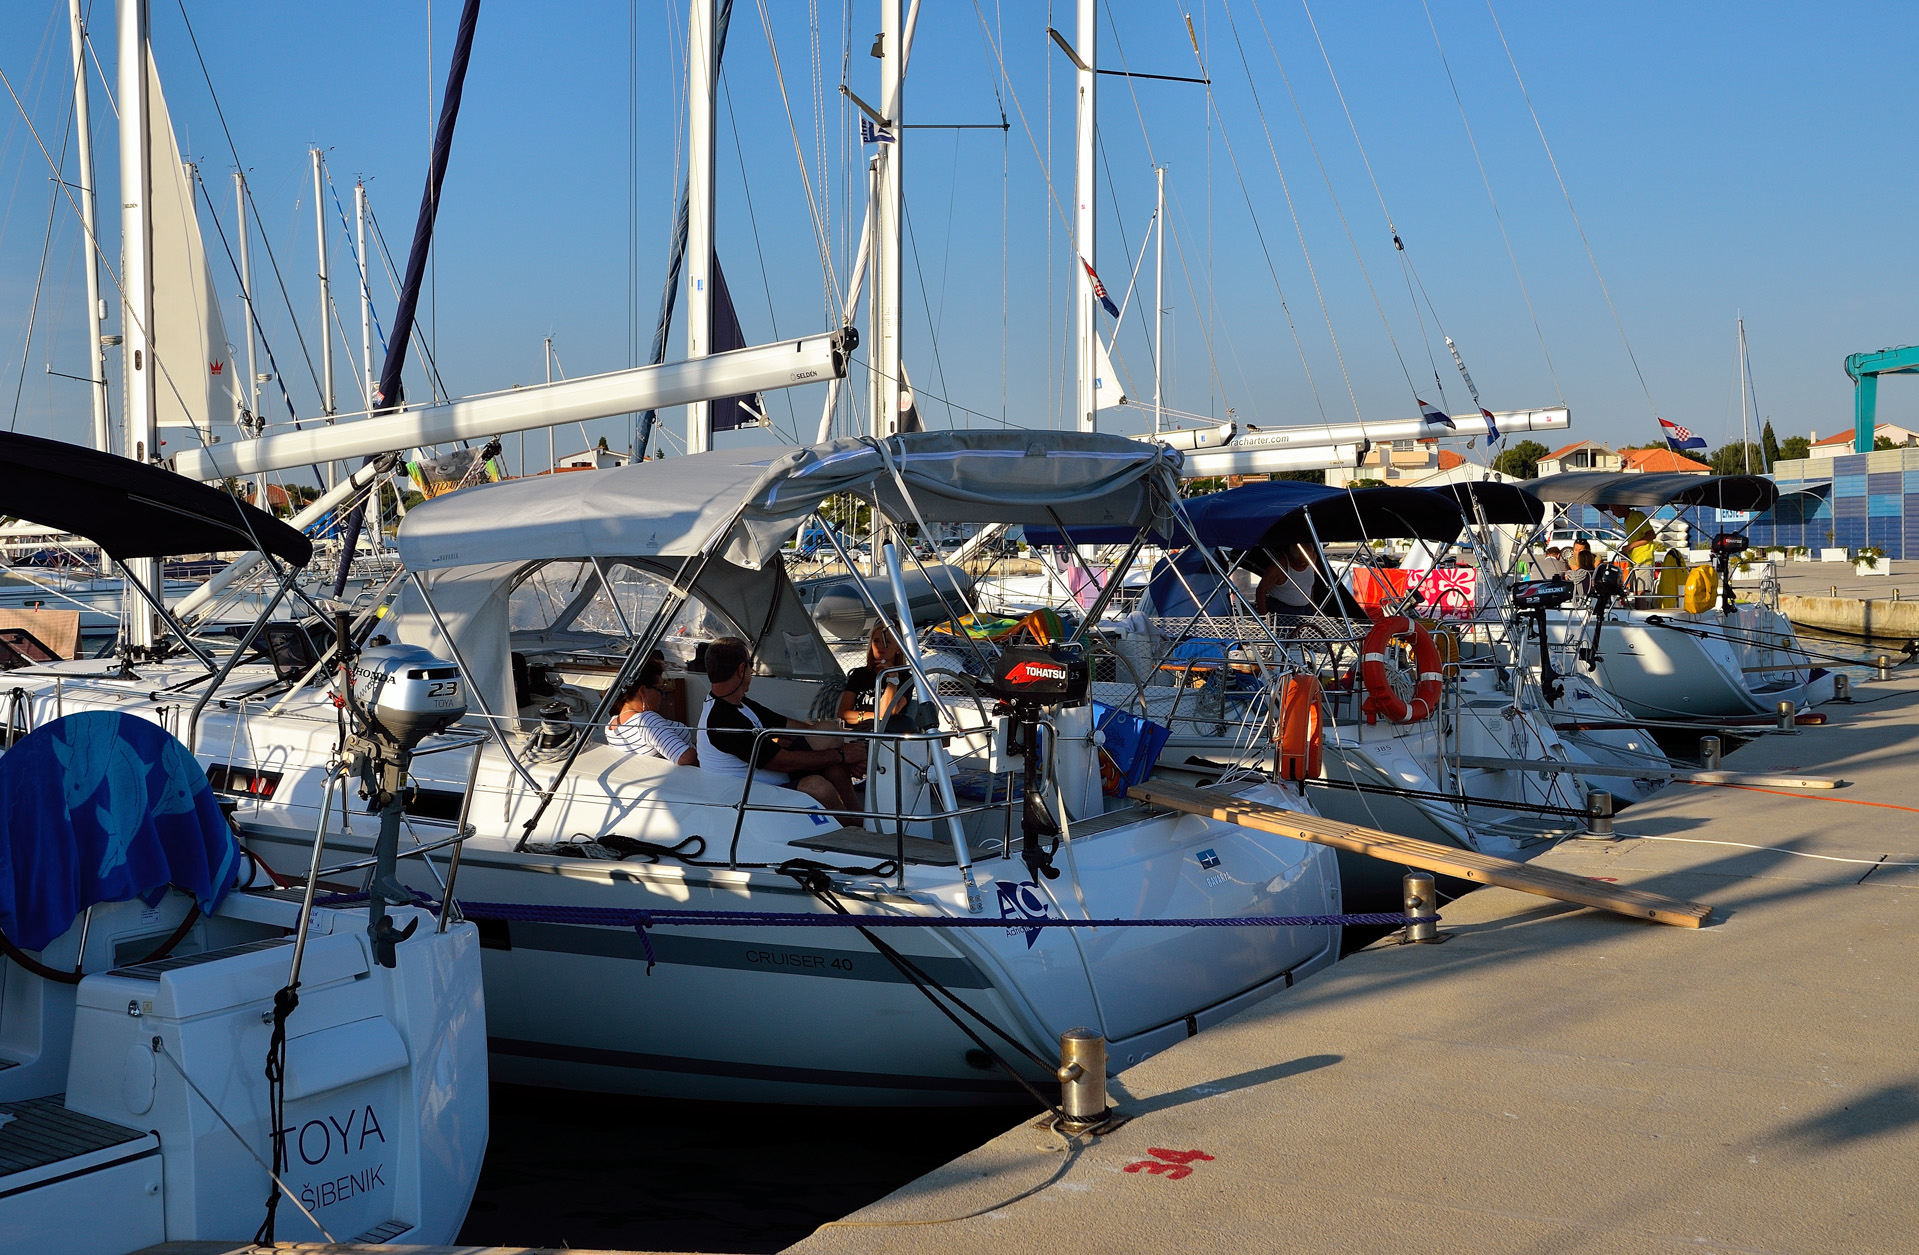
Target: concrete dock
1828, 596
1549, 1079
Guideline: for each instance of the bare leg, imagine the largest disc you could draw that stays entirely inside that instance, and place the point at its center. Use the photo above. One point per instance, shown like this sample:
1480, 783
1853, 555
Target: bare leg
821, 790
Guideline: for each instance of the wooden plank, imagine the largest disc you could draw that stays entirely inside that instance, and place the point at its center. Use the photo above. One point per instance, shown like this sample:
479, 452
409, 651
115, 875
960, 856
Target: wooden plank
1425, 855
1549, 767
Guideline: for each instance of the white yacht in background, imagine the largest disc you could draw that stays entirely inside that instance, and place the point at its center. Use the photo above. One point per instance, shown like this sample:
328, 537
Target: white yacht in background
1700, 655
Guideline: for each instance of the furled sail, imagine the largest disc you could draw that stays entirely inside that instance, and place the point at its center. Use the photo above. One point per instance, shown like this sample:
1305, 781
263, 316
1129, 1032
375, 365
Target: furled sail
197, 381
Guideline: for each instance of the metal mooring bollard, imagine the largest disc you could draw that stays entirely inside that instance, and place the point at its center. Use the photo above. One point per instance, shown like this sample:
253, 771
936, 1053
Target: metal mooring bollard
1082, 1077
1709, 753
1599, 816
1885, 667
1788, 712
1841, 687
1422, 898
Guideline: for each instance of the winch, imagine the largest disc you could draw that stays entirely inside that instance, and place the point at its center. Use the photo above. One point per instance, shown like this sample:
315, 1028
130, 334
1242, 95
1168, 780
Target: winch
397, 695
1027, 681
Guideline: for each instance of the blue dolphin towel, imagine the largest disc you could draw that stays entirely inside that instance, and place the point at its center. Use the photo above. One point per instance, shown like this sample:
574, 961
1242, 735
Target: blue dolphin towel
103, 807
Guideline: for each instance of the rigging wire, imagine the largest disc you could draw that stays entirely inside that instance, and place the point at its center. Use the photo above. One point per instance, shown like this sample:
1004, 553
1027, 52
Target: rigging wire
1259, 233
1497, 216
822, 239
1554, 161
1286, 189
46, 247
1408, 271
1325, 175
753, 220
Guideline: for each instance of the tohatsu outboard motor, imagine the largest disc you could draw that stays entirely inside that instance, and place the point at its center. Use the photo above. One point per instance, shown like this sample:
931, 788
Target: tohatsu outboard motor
398, 696
1028, 681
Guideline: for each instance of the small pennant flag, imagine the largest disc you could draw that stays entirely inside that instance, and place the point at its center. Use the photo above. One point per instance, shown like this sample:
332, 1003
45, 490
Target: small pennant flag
870, 134
1432, 414
1099, 289
1492, 425
1678, 437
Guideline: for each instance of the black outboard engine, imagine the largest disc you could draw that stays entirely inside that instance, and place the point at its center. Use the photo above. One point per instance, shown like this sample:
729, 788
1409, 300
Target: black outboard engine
1608, 586
1028, 681
1724, 546
398, 696
1536, 598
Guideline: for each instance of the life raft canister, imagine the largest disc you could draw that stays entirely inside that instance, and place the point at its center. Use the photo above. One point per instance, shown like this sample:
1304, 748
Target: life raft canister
1702, 589
1380, 698
1299, 731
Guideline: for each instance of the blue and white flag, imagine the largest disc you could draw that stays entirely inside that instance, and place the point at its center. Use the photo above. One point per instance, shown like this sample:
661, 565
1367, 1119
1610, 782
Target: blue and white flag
870, 134
1432, 414
1099, 289
1678, 437
1492, 426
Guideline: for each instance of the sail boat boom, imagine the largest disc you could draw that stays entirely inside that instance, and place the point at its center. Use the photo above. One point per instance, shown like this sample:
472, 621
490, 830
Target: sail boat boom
764, 368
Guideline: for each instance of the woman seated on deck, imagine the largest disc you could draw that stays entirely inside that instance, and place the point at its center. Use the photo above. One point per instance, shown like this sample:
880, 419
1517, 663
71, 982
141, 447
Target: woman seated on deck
639, 727
867, 698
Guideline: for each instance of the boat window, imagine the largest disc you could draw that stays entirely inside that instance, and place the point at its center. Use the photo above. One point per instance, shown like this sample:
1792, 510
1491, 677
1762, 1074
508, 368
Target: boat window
563, 601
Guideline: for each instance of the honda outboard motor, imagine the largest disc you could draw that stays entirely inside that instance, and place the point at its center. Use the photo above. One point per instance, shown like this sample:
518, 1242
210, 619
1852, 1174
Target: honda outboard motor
398, 696
1029, 681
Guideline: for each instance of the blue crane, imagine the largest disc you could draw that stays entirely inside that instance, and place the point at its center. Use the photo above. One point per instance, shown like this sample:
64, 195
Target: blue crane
1865, 369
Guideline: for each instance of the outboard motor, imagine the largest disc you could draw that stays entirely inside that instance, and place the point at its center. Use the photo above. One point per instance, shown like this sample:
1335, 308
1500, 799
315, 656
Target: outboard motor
1724, 546
1028, 681
398, 696
1536, 598
1608, 586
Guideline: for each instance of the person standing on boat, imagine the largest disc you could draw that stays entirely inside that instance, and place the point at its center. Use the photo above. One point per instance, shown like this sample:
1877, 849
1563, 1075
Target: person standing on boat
1583, 566
1289, 585
641, 727
870, 691
1552, 565
730, 720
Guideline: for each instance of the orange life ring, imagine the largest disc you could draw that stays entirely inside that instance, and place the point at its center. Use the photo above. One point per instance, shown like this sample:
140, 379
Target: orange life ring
1299, 732
1380, 698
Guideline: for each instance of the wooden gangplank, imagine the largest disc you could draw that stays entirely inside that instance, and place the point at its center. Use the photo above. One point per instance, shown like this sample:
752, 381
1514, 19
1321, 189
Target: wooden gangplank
1425, 855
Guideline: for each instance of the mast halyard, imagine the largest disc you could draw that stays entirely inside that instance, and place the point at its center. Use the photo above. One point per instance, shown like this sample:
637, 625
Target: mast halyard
136, 235
254, 426
328, 402
1159, 299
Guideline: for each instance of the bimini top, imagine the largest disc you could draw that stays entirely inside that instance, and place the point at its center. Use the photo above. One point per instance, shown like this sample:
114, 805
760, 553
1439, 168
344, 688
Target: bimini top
1501, 503
1283, 511
754, 499
1647, 492
132, 510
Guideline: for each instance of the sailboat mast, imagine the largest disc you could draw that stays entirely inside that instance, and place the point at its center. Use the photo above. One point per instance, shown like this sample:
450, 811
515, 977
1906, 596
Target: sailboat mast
136, 279
327, 401
702, 82
1745, 427
256, 425
1159, 297
96, 311
1084, 224
886, 257
368, 382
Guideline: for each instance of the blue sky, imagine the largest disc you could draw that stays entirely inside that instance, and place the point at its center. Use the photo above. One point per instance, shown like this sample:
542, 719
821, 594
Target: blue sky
1723, 158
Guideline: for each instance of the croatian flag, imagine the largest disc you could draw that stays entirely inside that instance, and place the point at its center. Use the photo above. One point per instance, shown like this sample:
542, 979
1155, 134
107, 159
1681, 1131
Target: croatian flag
1099, 289
1432, 414
870, 134
1678, 437
1492, 426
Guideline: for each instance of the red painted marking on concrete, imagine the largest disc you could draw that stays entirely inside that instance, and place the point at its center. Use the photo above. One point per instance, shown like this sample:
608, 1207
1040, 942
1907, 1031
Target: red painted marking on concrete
1174, 1165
